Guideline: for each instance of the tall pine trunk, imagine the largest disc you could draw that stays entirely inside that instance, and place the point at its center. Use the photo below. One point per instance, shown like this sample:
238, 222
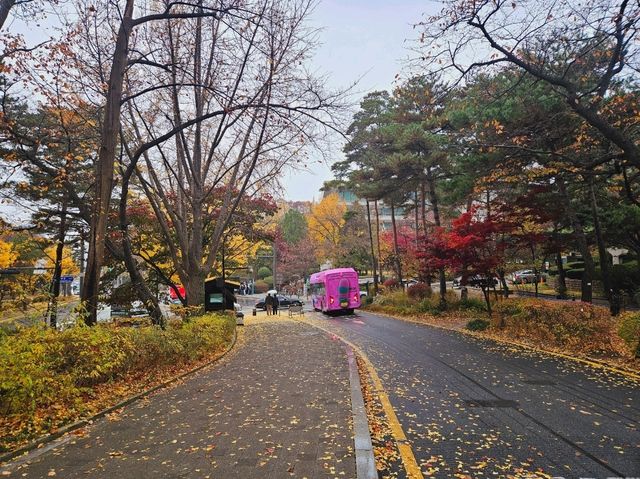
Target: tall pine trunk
374, 260
562, 283
375, 204
605, 267
433, 196
396, 250
581, 242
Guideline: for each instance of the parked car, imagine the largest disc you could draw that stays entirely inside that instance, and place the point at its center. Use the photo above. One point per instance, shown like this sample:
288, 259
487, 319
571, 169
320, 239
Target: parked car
284, 302
476, 281
523, 276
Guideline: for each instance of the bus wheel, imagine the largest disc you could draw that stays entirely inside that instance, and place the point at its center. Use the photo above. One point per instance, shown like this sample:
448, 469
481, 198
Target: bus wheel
349, 311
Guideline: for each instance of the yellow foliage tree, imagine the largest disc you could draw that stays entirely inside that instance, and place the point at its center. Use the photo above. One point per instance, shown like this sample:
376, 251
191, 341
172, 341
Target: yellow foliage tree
69, 266
325, 222
7, 255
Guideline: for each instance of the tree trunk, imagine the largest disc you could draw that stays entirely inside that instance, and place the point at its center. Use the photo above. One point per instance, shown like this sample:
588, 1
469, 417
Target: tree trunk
375, 204
137, 281
605, 268
196, 298
562, 283
5, 8
436, 219
417, 220
396, 250
503, 283
194, 288
105, 166
423, 207
581, 242
57, 270
487, 299
374, 261
535, 267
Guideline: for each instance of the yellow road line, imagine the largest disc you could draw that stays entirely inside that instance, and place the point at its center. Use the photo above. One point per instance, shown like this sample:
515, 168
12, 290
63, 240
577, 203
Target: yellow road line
404, 447
406, 453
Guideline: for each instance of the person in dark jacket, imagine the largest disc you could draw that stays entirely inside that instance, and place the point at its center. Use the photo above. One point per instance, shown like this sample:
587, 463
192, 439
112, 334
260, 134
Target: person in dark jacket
268, 304
276, 303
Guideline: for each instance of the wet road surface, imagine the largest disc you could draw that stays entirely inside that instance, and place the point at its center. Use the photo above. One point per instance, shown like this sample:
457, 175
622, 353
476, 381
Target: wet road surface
477, 408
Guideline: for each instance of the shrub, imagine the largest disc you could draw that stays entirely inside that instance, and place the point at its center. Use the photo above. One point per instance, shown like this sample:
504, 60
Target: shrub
261, 286
391, 283
419, 291
396, 298
187, 312
40, 298
625, 277
429, 306
263, 272
477, 325
629, 329
573, 327
47, 377
472, 304
636, 297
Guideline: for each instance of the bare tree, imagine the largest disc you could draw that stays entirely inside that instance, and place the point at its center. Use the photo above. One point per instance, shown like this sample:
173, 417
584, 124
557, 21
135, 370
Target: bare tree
257, 108
123, 58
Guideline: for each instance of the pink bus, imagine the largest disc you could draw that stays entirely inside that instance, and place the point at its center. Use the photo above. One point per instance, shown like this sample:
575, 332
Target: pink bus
335, 290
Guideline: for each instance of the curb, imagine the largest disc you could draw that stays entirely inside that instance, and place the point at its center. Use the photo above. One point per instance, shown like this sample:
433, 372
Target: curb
404, 447
365, 461
595, 363
38, 443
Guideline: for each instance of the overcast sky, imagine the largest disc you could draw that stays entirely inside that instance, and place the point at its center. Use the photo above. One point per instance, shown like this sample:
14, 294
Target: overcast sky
367, 39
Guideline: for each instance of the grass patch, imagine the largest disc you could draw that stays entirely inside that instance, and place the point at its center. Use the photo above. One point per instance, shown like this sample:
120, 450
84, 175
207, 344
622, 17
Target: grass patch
49, 378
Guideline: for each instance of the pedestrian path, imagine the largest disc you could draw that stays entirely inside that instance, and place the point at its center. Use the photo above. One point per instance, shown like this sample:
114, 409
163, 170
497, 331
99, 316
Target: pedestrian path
277, 407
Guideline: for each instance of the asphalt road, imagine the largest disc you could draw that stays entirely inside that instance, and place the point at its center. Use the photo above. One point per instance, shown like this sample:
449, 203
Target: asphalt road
476, 408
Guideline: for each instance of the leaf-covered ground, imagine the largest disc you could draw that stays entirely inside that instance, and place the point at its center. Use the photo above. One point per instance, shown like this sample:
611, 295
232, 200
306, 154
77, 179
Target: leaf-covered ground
278, 406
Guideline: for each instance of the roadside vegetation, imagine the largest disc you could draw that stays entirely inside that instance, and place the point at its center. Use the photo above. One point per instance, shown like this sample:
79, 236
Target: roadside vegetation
50, 378
573, 328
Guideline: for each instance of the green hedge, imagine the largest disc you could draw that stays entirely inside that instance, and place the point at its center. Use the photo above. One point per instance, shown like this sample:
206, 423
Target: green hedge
47, 377
574, 273
624, 277
574, 265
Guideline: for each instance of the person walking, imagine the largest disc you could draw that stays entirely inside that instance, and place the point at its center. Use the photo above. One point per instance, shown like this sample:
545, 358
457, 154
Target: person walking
276, 303
268, 303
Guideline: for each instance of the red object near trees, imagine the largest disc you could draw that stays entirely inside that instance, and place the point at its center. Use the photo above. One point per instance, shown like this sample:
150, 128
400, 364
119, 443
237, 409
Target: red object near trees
474, 245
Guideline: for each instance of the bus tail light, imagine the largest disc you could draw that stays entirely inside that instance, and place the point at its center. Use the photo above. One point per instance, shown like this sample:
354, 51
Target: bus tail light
331, 300
355, 298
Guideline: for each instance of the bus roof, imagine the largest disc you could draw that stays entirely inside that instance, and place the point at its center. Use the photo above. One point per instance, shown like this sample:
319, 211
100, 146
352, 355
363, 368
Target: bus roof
315, 277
